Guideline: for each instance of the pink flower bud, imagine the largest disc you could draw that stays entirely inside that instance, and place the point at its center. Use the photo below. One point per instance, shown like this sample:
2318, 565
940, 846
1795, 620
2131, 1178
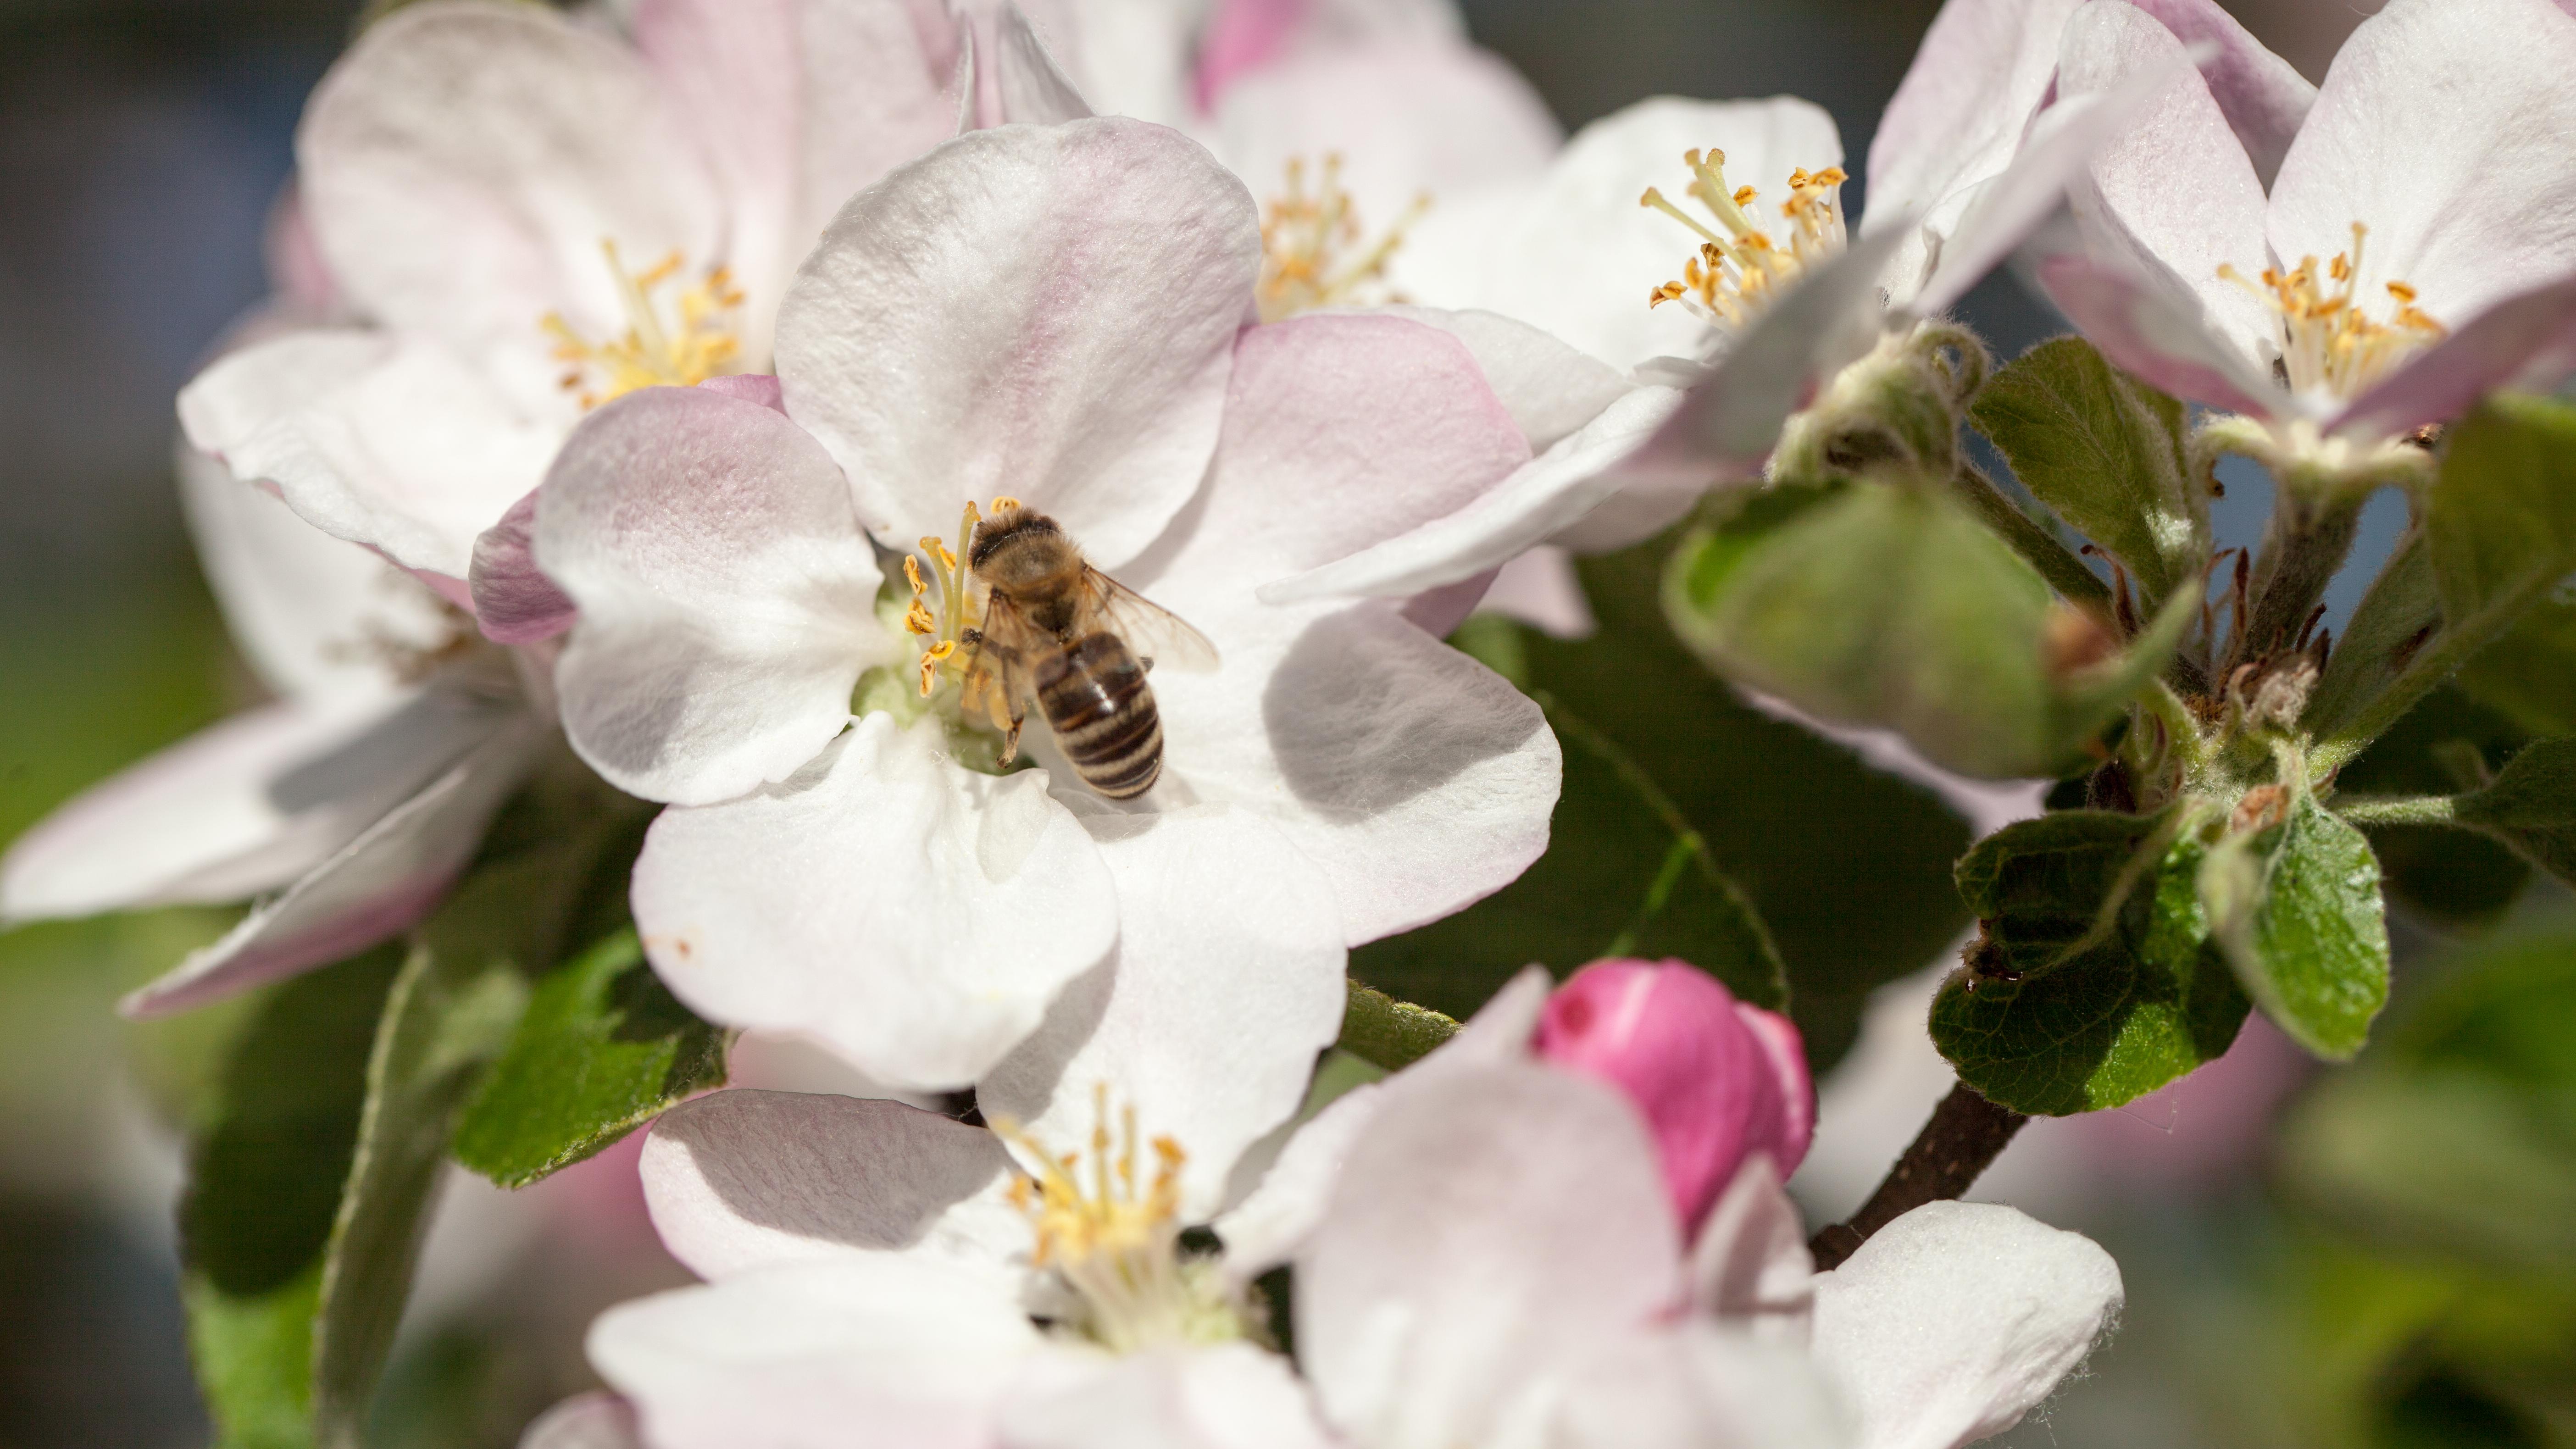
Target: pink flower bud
1716, 1079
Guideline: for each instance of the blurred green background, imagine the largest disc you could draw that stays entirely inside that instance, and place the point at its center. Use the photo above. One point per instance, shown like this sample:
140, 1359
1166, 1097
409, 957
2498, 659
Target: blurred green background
2379, 1256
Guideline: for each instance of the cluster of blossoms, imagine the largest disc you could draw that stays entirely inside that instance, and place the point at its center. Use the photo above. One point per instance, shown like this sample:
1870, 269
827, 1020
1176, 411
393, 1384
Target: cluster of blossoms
894, 439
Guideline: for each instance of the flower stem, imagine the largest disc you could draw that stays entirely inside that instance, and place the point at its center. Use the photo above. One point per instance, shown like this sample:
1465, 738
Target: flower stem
1966, 1134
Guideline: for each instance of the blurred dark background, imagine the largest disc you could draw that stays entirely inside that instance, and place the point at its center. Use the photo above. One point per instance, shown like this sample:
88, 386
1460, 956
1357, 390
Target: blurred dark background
141, 145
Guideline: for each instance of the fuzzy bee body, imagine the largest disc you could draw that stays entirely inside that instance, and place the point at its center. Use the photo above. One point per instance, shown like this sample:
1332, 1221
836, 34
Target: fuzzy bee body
1063, 636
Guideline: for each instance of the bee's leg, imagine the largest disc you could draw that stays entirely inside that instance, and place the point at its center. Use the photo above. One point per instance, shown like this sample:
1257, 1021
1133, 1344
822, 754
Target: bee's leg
1011, 739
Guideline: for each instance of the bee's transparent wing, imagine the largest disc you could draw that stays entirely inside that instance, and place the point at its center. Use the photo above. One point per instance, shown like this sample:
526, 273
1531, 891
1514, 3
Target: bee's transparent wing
1153, 632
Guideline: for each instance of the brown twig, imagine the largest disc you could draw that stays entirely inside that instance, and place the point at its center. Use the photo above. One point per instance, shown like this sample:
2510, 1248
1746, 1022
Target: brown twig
1966, 1134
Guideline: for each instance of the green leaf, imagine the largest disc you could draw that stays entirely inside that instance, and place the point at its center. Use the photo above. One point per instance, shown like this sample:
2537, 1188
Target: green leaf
2453, 876
1891, 605
2095, 980
464, 985
603, 1048
2296, 907
2396, 619
2532, 806
2104, 452
2530, 673
1790, 818
263, 1185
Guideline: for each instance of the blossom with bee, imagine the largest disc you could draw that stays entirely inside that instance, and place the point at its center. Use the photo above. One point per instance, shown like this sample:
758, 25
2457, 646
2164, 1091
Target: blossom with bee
1486, 1251
528, 214
1050, 317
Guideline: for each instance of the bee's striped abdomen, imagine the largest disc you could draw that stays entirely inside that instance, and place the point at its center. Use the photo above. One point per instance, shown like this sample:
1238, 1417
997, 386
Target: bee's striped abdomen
1094, 696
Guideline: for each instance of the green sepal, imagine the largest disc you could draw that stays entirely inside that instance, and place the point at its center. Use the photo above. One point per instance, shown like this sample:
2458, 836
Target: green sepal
2094, 980
2532, 806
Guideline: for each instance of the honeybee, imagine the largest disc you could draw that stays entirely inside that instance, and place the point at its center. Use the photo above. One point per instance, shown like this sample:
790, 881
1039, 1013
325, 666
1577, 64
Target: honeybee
1078, 643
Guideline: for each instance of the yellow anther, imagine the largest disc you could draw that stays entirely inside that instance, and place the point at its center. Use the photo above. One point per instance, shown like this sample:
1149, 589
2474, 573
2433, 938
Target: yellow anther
2330, 344
931, 658
1739, 268
698, 341
1314, 251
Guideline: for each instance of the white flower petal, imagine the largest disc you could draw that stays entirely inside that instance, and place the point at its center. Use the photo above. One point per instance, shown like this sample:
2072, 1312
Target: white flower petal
1221, 1396
2264, 96
202, 822
2146, 322
585, 1421
2172, 192
1694, 1386
1542, 590
911, 1351
1550, 388
1491, 1225
2442, 128
301, 604
1043, 312
2526, 342
405, 448
1575, 255
744, 1179
1031, 87
462, 164
1409, 118
1956, 1318
915, 916
1957, 120
1226, 984
1750, 1266
727, 596
382, 881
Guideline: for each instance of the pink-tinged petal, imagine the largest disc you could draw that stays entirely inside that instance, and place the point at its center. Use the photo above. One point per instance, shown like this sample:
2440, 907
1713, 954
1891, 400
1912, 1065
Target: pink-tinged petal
2153, 329
2171, 191
1212, 1396
730, 72
1550, 388
302, 606
1956, 1318
797, 1355
1028, 86
463, 163
1691, 1385
1489, 1227
1750, 1267
2442, 128
1240, 37
1957, 119
1540, 501
377, 885
1409, 118
1716, 1081
1043, 312
750, 387
879, 85
1342, 429
585, 1421
1574, 254
514, 601
911, 914
2525, 343
1275, 1217
1542, 590
1226, 983
727, 598
741, 1180
1727, 425
395, 444
202, 821
303, 280
2265, 98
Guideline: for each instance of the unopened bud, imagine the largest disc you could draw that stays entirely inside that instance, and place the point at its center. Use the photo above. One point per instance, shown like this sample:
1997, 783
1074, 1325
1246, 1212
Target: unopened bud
1716, 1080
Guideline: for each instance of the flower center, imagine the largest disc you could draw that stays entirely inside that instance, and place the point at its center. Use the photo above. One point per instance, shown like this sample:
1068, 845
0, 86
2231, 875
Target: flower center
1739, 268
945, 621
2330, 343
1314, 251
1114, 1242
696, 338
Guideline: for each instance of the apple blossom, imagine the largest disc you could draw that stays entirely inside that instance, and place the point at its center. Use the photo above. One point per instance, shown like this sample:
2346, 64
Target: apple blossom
1052, 313
2364, 286
1485, 1254
350, 803
528, 214
1781, 332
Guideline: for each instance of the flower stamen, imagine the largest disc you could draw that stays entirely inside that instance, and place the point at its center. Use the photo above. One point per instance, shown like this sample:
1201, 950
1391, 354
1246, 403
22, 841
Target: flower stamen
697, 340
959, 607
1314, 251
1740, 269
2330, 343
